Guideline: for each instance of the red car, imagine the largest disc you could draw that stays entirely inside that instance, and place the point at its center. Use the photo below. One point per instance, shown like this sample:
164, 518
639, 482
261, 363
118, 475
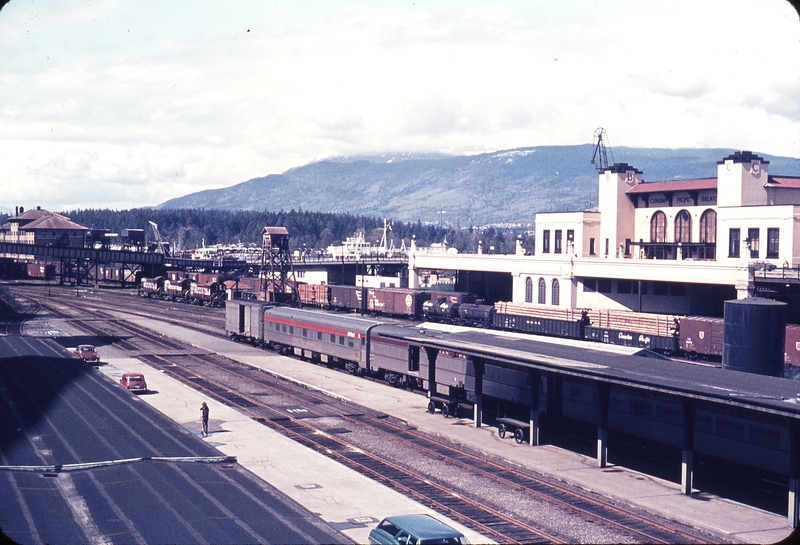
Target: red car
87, 353
133, 382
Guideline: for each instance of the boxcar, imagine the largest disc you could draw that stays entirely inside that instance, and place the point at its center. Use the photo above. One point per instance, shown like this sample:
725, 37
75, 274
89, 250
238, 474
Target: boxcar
345, 297
316, 295
396, 301
701, 335
244, 320
792, 353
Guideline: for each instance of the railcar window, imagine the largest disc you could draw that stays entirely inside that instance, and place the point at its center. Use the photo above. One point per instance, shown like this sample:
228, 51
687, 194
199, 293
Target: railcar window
702, 422
350, 342
333, 338
341, 340
731, 428
319, 335
764, 436
667, 413
291, 330
641, 407
305, 332
283, 328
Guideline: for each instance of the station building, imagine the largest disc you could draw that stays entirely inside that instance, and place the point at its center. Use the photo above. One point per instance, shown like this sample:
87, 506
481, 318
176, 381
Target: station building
677, 247
43, 228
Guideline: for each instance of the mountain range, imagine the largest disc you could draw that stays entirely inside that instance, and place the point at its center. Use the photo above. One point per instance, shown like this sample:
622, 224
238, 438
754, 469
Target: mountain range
491, 188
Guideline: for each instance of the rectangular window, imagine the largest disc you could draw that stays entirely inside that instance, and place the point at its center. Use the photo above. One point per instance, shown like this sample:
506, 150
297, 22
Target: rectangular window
607, 243
591, 247
624, 286
590, 284
319, 335
734, 243
772, 243
283, 328
677, 289
557, 242
752, 242
604, 285
333, 338
641, 407
341, 340
627, 247
413, 358
291, 330
660, 288
546, 241
305, 332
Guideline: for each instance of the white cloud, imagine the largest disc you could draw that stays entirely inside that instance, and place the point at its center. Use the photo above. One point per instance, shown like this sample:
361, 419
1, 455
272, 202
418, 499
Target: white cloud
128, 104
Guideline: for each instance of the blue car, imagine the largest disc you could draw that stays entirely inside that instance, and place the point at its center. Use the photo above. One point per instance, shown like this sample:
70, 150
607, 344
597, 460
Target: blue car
415, 530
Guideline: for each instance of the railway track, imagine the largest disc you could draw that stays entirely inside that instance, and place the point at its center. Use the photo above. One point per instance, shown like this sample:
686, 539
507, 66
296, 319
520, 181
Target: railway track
204, 372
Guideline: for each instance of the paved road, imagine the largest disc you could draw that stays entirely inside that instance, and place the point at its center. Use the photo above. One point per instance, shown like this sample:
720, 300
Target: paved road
60, 411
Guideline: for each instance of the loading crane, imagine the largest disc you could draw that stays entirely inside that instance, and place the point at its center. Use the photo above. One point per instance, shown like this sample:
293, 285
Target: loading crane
161, 249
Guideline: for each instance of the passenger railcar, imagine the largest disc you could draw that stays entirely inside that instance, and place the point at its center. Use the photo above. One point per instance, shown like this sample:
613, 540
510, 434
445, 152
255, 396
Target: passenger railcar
319, 337
379, 349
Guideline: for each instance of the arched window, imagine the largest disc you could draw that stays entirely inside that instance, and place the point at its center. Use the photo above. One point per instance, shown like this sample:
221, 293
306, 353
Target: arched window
528, 290
708, 227
683, 226
542, 291
658, 227
556, 295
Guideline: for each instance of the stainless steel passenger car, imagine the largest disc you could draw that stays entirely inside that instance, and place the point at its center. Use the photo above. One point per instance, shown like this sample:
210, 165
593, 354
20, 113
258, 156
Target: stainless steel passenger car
318, 336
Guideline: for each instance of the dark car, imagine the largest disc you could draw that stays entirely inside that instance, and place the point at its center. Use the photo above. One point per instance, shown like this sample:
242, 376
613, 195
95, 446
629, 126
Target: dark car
87, 352
415, 530
134, 382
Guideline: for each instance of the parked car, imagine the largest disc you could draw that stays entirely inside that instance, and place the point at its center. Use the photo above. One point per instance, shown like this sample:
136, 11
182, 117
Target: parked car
87, 353
415, 530
134, 382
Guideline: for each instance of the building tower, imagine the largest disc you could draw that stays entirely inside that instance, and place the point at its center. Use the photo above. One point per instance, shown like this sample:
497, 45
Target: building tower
278, 283
616, 209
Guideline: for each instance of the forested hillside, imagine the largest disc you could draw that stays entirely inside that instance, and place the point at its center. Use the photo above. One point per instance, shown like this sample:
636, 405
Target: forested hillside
508, 186
191, 228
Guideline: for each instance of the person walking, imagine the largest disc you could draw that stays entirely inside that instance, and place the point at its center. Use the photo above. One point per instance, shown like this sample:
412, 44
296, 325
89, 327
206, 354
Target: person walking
204, 418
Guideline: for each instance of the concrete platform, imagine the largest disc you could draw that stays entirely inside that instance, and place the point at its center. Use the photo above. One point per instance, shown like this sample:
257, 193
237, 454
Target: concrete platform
352, 503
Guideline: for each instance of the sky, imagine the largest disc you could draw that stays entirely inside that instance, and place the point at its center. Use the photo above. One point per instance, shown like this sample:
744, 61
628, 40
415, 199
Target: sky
128, 103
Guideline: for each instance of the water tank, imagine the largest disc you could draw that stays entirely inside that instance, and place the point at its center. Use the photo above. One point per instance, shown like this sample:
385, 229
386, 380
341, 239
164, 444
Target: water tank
753, 336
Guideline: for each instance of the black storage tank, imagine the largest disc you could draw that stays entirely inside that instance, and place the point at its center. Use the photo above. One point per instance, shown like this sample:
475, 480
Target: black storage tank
753, 336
